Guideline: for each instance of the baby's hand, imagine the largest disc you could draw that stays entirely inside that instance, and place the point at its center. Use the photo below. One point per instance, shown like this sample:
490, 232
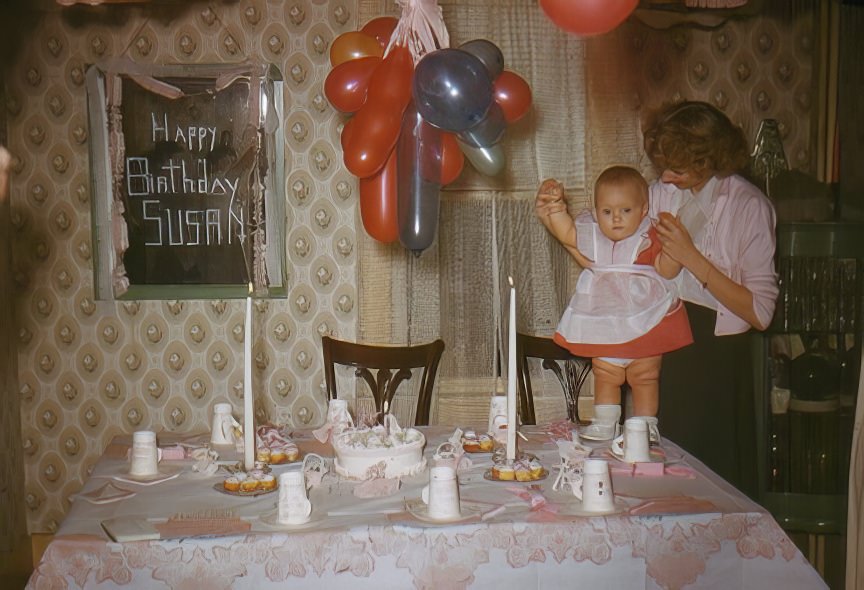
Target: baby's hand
550, 198
550, 191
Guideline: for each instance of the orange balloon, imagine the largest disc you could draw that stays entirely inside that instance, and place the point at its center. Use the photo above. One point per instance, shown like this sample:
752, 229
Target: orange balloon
512, 94
353, 45
347, 83
391, 82
378, 203
369, 138
452, 158
381, 28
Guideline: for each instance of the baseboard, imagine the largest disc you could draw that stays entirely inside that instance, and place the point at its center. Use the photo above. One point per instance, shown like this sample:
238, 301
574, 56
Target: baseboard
38, 543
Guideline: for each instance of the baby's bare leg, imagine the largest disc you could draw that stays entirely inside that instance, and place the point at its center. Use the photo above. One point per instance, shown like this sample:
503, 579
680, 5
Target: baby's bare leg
643, 375
608, 379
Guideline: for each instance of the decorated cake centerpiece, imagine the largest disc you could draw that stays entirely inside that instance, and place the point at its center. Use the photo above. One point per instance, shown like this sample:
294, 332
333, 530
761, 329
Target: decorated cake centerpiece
362, 452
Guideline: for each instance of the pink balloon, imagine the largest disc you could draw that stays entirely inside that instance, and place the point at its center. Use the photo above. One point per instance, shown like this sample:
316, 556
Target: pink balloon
588, 17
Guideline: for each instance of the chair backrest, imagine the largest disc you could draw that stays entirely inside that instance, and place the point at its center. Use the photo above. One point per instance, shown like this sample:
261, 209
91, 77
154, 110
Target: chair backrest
392, 364
570, 370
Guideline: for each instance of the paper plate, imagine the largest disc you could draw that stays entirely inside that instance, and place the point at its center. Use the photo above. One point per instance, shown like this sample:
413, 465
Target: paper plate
419, 510
657, 455
166, 472
575, 509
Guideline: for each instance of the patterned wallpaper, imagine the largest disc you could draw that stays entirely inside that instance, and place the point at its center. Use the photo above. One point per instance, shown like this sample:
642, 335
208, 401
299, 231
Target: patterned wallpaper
91, 369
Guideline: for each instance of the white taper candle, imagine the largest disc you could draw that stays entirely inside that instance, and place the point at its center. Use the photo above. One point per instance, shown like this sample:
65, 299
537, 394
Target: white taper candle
248, 405
511, 377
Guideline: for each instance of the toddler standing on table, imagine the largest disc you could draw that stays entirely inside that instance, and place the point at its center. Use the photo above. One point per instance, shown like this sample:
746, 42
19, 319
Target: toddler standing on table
625, 313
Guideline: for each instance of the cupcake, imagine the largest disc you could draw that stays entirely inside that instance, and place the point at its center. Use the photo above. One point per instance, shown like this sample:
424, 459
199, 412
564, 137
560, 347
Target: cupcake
292, 453
250, 484
231, 483
486, 442
503, 472
263, 455
470, 442
277, 456
268, 482
523, 472
536, 468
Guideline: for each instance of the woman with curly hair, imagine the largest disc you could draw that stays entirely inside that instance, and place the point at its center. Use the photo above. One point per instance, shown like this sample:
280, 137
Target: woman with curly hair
722, 233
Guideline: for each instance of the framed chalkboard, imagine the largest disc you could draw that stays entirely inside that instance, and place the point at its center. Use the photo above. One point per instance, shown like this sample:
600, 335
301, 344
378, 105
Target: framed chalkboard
187, 168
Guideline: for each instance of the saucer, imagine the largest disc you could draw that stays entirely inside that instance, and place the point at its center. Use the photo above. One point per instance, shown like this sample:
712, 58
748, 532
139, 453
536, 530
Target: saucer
271, 519
575, 509
419, 510
106, 493
165, 473
656, 454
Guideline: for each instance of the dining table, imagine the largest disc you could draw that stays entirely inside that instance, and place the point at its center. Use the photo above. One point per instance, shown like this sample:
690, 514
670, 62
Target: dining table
675, 524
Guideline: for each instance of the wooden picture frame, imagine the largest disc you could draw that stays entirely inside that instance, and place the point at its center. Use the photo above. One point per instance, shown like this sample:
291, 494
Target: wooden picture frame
187, 172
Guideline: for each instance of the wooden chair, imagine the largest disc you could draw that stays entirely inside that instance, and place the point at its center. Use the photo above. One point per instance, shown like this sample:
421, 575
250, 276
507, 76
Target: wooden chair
391, 365
570, 370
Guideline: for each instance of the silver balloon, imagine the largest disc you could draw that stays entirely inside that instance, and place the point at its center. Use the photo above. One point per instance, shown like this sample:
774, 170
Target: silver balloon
488, 53
487, 132
486, 160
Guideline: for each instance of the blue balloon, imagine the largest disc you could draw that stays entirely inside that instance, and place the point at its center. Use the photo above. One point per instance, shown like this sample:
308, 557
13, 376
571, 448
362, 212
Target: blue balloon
417, 199
452, 89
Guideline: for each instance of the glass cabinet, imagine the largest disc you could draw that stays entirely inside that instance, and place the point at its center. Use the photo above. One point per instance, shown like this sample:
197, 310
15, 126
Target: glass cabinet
810, 359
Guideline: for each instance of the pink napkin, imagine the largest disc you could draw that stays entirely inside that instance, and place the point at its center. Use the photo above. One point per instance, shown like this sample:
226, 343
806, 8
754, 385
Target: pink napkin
653, 469
173, 453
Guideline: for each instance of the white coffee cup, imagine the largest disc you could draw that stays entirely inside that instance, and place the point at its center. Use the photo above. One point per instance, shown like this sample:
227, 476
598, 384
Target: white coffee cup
441, 495
144, 457
498, 417
595, 487
222, 428
633, 445
294, 506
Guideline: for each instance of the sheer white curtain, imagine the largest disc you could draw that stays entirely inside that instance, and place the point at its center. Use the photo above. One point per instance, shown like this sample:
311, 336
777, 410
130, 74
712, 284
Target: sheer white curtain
583, 119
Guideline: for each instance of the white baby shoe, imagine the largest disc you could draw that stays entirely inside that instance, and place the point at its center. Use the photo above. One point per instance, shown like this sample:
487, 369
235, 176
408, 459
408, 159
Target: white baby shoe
604, 425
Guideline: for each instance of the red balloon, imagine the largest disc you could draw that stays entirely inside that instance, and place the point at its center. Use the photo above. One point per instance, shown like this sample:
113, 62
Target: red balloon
441, 160
347, 83
588, 17
378, 203
381, 28
452, 158
369, 137
391, 81
513, 95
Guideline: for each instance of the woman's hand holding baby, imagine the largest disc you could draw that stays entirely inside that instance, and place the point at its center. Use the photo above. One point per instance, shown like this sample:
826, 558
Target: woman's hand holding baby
676, 240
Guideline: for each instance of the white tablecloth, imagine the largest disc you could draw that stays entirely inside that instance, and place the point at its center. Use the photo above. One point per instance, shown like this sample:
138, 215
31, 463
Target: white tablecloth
687, 530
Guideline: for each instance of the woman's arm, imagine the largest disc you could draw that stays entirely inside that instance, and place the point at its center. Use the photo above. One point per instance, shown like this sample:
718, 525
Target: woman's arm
550, 206
678, 245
